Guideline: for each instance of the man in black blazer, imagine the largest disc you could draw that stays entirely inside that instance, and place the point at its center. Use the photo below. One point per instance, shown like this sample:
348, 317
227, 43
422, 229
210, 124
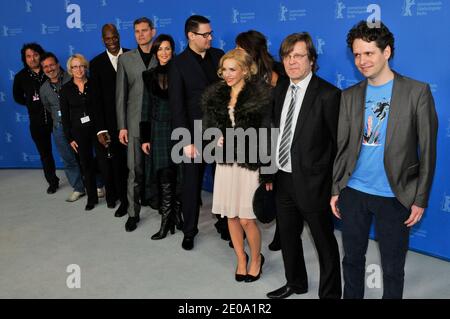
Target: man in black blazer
190, 73
103, 69
306, 110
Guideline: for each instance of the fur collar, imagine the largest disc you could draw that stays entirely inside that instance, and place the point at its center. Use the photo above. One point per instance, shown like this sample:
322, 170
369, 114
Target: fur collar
251, 105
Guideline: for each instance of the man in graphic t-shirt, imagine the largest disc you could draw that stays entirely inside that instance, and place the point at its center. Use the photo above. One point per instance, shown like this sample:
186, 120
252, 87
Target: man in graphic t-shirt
385, 160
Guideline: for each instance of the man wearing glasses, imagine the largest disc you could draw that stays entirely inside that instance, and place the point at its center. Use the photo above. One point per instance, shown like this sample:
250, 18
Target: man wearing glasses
190, 73
49, 93
306, 109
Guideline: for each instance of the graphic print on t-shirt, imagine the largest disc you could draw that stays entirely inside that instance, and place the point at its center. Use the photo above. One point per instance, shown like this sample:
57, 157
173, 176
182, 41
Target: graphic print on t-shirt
376, 114
369, 175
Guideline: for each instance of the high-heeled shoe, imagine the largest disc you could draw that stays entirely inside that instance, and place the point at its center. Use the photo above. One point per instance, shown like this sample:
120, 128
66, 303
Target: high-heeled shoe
166, 211
251, 278
240, 277
162, 233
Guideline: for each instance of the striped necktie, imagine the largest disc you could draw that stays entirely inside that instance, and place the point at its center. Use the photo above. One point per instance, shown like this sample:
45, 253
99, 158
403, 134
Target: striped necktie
284, 152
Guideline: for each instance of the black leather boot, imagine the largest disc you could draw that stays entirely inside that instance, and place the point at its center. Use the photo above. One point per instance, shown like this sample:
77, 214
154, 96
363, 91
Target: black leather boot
165, 209
176, 216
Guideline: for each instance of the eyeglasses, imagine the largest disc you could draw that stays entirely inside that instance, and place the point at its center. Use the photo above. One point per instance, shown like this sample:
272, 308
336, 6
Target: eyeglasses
76, 67
295, 57
205, 35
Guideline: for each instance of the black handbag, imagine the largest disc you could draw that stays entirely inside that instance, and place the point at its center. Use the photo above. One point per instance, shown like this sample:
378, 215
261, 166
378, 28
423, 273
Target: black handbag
264, 205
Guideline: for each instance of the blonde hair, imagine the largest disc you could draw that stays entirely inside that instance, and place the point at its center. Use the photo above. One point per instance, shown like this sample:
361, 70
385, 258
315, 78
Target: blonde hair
79, 57
244, 60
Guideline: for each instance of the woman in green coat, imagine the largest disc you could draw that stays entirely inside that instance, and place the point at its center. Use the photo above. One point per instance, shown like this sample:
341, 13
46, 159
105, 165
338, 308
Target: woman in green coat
161, 174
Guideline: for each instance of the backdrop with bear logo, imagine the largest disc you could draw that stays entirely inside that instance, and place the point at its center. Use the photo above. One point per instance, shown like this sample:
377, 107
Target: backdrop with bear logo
421, 29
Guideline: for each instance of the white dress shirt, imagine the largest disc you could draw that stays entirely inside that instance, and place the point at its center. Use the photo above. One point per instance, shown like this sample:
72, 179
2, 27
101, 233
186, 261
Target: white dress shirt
301, 90
114, 58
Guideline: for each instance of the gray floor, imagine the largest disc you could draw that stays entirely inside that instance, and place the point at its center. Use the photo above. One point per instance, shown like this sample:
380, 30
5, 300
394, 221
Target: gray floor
41, 235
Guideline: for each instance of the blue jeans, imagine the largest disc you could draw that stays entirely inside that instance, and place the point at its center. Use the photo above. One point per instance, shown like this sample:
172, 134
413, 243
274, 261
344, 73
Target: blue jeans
357, 209
71, 167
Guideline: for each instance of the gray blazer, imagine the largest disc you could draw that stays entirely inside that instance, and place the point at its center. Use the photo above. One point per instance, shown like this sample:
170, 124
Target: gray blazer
410, 149
130, 90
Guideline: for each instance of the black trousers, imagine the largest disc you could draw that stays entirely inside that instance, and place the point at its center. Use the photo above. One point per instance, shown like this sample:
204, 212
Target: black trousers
191, 196
114, 170
41, 135
290, 218
357, 210
87, 140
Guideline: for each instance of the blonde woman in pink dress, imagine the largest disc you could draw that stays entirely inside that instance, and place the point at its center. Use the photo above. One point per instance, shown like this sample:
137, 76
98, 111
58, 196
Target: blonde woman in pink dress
238, 102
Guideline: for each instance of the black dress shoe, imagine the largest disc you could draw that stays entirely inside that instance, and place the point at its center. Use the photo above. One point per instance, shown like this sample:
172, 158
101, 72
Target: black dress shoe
285, 292
251, 278
240, 277
121, 211
111, 205
275, 245
89, 206
188, 243
52, 189
131, 223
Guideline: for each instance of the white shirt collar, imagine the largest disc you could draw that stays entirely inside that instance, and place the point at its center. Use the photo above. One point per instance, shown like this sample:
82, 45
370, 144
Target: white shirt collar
303, 84
112, 57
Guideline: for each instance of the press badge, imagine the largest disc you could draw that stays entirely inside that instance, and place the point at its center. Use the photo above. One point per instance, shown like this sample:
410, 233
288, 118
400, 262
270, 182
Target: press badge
59, 113
85, 119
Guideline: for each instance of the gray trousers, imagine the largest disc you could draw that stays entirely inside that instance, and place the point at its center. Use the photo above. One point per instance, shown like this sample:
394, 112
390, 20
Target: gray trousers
135, 162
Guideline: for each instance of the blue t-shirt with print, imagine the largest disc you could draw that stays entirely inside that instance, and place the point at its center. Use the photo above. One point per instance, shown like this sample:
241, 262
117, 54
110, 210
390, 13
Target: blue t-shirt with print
369, 175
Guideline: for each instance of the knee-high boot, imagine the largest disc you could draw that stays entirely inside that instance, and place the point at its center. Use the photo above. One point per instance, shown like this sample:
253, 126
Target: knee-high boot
176, 216
166, 211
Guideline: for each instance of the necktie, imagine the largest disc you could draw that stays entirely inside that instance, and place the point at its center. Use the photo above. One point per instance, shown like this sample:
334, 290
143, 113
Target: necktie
285, 143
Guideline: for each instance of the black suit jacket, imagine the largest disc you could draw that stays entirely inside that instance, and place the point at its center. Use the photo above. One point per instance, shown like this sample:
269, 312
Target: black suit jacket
187, 82
314, 143
103, 82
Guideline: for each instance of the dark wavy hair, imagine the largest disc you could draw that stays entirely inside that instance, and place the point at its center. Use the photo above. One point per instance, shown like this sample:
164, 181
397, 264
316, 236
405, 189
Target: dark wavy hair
160, 39
381, 35
255, 44
33, 46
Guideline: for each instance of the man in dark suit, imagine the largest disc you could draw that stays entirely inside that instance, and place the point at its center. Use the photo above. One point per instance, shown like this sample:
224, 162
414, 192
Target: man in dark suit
385, 160
190, 73
103, 69
306, 110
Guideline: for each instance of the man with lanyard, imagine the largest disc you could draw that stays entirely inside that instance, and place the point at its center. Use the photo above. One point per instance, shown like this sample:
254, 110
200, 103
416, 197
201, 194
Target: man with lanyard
49, 93
26, 88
